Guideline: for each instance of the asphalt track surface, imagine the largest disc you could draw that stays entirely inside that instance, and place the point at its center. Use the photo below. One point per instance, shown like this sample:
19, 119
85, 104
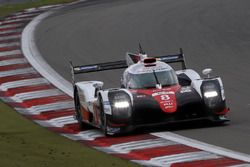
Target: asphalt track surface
212, 33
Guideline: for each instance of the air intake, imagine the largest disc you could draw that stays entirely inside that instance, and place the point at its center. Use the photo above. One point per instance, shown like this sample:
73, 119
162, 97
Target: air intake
149, 62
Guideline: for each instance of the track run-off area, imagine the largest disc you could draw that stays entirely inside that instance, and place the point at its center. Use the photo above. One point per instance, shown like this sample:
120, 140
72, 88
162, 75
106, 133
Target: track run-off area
212, 34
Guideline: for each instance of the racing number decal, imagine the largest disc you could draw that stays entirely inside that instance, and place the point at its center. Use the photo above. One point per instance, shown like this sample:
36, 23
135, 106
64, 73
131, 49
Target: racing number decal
165, 97
167, 102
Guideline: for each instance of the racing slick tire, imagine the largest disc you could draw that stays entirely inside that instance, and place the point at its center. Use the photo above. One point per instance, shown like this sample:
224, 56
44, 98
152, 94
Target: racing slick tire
103, 117
78, 111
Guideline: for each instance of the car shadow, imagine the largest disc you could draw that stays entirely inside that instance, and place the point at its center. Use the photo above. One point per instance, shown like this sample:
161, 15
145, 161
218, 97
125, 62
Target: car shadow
176, 127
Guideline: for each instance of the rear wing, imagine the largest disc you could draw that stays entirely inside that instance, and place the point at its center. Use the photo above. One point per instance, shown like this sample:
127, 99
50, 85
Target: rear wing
123, 64
174, 59
99, 67
96, 67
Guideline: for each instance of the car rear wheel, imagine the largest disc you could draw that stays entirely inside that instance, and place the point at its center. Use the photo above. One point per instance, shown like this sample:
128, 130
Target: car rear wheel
103, 117
78, 111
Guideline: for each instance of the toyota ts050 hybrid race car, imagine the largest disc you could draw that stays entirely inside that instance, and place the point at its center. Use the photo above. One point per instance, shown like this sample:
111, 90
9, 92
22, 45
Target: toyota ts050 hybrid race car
151, 93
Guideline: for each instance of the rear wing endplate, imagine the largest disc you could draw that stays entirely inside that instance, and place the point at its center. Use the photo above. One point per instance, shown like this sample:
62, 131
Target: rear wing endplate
174, 59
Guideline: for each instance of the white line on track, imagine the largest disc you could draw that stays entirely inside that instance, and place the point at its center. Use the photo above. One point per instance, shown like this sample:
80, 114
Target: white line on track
16, 20
21, 16
125, 148
9, 44
10, 31
25, 82
26, 12
31, 10
36, 60
11, 25
88, 135
10, 37
33, 95
17, 72
13, 61
50, 6
9, 53
177, 158
35, 110
241, 165
38, 94
203, 146
57, 122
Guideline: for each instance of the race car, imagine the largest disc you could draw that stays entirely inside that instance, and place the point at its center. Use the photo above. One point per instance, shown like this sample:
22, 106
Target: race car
151, 93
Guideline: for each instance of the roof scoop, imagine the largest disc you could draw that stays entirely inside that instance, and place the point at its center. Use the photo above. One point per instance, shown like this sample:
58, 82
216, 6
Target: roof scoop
149, 61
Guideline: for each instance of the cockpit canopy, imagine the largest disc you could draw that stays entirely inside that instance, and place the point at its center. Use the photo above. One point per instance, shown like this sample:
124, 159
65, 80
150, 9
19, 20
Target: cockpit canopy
151, 79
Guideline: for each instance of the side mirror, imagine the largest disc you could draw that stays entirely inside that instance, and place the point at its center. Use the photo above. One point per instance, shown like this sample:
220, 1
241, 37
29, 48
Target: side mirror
98, 85
207, 72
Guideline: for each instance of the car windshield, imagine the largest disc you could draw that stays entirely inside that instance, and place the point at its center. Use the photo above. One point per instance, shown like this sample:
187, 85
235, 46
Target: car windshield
149, 80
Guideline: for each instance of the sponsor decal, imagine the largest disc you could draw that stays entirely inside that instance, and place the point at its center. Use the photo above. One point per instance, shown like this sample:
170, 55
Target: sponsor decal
162, 93
166, 100
141, 96
77, 69
86, 68
169, 58
151, 68
185, 90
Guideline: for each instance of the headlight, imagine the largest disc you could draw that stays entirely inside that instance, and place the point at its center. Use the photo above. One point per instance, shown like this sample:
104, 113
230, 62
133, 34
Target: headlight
121, 104
210, 94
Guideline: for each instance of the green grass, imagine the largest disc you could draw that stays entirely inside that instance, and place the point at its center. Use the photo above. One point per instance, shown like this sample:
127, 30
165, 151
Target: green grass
25, 144
8, 9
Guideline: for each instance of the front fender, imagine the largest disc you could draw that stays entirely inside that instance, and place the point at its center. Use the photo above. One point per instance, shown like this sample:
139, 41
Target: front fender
121, 105
213, 95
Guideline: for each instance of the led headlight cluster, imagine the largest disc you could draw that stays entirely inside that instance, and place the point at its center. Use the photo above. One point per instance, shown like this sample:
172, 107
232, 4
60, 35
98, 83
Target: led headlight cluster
120, 100
211, 94
121, 104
